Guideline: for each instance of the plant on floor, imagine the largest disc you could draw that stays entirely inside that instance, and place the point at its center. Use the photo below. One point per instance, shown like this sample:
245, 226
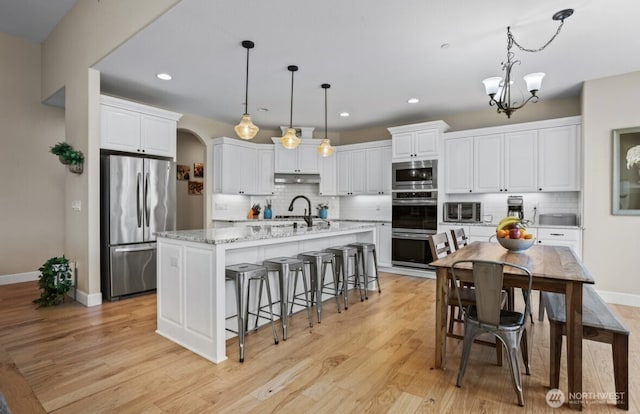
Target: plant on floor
55, 281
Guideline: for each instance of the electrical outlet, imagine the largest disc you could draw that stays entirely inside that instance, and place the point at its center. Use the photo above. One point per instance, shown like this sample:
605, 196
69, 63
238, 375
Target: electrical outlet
76, 205
377, 208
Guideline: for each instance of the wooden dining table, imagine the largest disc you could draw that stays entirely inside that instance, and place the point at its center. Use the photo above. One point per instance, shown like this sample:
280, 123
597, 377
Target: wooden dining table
554, 268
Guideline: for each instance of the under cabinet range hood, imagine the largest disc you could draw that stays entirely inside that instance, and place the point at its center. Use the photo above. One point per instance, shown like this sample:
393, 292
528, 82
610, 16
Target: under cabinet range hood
280, 178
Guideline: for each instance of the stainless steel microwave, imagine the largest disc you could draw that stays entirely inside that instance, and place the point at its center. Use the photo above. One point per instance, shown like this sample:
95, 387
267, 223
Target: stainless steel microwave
462, 212
415, 175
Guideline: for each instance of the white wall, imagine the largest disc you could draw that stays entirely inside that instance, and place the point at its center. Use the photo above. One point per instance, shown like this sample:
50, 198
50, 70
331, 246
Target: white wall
189, 207
611, 243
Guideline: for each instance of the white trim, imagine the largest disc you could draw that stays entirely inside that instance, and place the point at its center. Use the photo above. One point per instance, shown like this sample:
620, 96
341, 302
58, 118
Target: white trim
407, 271
618, 298
19, 278
89, 300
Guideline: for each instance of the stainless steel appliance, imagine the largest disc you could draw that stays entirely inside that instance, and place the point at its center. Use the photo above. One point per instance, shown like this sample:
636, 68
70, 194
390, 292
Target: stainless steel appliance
414, 219
515, 207
415, 175
462, 212
137, 199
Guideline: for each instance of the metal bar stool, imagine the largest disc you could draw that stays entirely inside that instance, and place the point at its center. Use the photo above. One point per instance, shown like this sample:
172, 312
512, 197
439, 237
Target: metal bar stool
363, 255
318, 263
288, 267
242, 274
342, 254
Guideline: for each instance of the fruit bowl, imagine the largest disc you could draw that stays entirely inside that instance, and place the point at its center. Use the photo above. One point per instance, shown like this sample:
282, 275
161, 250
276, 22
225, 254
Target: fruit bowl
516, 245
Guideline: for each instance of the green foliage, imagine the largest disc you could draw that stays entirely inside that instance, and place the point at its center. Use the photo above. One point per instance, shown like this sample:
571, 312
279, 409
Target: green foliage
55, 281
66, 154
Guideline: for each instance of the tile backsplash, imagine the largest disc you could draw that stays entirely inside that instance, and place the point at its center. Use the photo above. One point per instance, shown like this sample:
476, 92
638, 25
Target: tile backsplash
496, 204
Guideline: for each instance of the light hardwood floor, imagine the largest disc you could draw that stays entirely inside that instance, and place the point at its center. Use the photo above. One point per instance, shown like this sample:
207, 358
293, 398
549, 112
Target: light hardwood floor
376, 357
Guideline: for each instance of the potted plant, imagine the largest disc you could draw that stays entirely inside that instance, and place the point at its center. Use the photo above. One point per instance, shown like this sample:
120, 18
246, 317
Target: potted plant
55, 281
68, 156
323, 210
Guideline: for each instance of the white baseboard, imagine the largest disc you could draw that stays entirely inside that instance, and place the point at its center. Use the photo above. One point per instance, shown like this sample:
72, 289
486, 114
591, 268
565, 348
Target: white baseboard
19, 278
88, 299
620, 298
407, 271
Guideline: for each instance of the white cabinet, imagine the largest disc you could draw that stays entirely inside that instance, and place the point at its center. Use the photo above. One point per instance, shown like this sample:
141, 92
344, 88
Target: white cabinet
378, 170
416, 141
383, 248
537, 156
559, 159
328, 185
133, 127
458, 165
351, 178
303, 159
505, 162
482, 233
242, 168
554, 236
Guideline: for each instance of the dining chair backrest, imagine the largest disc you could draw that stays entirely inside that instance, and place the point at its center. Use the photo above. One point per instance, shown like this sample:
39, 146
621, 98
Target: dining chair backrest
439, 245
459, 238
488, 280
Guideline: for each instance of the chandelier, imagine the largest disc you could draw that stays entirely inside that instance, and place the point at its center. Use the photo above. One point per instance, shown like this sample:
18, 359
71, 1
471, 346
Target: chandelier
499, 90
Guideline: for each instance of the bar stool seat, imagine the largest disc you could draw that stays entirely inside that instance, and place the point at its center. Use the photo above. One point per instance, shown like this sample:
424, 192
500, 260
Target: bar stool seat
342, 254
318, 263
242, 274
364, 249
287, 268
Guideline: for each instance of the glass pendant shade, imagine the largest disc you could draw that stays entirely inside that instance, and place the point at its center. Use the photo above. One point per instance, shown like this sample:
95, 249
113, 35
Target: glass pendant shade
491, 85
290, 140
246, 129
325, 149
534, 81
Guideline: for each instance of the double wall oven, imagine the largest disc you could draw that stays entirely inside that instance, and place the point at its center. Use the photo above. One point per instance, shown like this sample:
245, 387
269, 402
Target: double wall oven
414, 213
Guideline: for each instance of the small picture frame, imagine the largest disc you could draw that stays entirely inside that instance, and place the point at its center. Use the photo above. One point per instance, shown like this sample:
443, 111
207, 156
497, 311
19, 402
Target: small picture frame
182, 172
195, 187
198, 169
626, 171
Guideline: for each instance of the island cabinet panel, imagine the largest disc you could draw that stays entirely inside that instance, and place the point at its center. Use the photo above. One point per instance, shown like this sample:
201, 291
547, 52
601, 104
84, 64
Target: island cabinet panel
171, 294
199, 311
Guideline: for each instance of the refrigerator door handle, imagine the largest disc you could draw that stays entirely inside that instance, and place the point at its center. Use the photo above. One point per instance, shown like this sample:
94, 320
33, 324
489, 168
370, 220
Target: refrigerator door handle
137, 248
147, 210
138, 201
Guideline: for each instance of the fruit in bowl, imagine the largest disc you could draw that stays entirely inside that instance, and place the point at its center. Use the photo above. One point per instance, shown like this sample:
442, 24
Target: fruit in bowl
512, 235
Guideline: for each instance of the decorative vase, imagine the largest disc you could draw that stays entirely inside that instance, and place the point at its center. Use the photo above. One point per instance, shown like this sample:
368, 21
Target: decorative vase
322, 213
267, 213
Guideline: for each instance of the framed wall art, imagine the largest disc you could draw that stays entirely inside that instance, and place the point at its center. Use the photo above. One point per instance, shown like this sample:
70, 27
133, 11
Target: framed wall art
182, 172
198, 169
626, 171
195, 187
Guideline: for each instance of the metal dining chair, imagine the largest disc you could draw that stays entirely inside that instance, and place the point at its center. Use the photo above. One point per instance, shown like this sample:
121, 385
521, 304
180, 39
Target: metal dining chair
488, 316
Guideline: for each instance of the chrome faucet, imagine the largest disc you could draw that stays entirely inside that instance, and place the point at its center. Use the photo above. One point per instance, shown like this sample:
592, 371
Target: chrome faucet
307, 217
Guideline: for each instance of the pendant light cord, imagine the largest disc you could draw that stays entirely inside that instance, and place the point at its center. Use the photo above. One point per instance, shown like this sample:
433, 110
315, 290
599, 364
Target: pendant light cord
291, 108
325, 112
246, 86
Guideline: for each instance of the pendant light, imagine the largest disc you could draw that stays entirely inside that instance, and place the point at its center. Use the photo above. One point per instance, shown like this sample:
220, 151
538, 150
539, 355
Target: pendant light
325, 149
246, 129
290, 140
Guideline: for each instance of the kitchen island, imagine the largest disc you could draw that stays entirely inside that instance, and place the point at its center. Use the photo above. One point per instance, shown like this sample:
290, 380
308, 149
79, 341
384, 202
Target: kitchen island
193, 298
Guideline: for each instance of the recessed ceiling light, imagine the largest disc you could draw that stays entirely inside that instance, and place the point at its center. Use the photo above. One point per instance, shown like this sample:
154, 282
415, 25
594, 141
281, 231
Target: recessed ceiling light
263, 109
413, 100
344, 114
163, 76
445, 46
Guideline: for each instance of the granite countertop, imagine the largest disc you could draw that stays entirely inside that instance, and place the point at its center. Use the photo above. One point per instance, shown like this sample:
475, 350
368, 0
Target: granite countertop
530, 225
260, 231
315, 220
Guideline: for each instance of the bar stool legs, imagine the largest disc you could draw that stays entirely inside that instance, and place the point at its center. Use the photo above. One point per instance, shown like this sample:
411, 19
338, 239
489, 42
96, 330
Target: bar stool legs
342, 254
288, 267
318, 263
363, 255
242, 274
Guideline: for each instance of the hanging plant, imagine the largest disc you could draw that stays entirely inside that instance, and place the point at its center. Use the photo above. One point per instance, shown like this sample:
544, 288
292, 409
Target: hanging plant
55, 281
68, 156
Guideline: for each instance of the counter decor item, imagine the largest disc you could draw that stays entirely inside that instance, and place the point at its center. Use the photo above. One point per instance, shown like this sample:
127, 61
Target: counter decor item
268, 214
55, 281
512, 235
68, 156
254, 212
323, 210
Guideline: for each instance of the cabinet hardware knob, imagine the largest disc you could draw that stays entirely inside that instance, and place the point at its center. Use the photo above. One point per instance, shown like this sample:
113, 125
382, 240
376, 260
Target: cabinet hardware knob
539, 189
470, 191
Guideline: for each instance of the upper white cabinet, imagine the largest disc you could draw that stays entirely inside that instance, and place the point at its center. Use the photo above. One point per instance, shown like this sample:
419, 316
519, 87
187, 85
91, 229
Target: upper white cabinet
351, 178
242, 168
378, 170
416, 141
133, 127
363, 168
537, 156
559, 159
328, 184
303, 159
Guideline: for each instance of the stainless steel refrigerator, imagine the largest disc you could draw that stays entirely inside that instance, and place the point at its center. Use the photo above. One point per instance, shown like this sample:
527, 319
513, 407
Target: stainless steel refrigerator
138, 198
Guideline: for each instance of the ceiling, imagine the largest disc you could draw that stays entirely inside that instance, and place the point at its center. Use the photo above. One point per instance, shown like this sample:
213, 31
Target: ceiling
376, 54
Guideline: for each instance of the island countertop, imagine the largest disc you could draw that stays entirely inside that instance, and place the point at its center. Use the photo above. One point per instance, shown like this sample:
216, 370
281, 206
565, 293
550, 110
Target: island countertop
256, 232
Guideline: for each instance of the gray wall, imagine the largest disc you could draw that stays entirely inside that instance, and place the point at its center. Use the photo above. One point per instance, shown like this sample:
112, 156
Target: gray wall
189, 207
